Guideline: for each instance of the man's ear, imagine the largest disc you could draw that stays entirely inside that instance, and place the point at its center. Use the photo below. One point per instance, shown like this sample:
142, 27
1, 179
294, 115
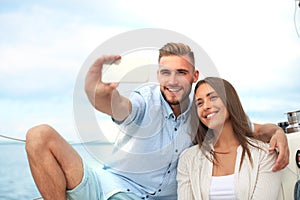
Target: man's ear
196, 75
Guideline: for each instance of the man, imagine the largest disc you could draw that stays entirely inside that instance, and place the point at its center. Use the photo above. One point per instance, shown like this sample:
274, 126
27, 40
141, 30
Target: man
159, 123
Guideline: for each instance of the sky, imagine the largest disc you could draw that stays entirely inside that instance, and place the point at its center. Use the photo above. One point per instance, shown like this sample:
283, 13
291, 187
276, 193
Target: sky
43, 45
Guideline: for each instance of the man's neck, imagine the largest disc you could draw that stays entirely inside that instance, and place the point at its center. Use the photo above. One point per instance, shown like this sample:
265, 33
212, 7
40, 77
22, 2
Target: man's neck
180, 108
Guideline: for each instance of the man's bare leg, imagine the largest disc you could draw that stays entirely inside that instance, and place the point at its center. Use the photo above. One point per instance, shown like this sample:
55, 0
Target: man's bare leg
54, 164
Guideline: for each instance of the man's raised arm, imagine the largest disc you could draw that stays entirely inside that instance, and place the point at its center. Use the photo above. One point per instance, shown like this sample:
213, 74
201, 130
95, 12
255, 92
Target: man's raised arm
105, 96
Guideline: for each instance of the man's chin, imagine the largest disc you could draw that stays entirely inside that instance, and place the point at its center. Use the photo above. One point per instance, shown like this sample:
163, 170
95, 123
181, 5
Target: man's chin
172, 100
174, 103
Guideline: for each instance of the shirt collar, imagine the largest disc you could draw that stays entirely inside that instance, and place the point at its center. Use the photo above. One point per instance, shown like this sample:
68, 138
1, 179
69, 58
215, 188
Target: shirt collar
168, 112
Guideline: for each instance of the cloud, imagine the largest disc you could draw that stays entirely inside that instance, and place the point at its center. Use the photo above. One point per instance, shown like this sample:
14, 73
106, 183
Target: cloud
44, 44
18, 115
41, 51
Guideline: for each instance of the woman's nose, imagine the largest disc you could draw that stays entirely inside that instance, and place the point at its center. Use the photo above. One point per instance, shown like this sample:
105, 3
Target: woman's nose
206, 104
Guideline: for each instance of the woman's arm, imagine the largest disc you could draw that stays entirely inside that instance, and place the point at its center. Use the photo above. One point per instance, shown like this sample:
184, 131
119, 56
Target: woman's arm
268, 183
184, 188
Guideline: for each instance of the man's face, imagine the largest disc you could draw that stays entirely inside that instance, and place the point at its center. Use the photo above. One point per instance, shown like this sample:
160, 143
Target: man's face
176, 75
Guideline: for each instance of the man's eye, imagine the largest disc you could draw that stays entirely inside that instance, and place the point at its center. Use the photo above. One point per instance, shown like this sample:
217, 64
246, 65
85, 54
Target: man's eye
164, 72
182, 72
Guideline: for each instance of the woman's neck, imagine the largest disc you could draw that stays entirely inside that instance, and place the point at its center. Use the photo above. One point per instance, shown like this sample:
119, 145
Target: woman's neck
225, 151
226, 138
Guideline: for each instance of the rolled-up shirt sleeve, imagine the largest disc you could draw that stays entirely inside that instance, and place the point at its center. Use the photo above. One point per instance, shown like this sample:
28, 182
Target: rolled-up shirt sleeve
138, 109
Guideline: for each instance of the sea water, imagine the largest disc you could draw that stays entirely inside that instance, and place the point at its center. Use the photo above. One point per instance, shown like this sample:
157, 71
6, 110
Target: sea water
16, 182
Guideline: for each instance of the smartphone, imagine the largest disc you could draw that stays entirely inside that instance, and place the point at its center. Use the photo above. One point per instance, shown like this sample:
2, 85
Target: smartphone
127, 70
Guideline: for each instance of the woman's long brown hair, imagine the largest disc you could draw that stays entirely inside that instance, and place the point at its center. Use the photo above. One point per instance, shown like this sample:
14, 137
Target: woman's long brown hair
237, 116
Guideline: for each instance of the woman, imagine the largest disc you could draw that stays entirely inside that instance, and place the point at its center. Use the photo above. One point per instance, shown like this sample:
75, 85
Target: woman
228, 162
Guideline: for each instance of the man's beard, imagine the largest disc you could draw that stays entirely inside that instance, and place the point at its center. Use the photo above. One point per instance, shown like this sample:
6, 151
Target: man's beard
175, 102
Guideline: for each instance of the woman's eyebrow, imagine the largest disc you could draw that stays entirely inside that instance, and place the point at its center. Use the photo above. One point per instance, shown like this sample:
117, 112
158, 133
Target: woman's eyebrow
208, 94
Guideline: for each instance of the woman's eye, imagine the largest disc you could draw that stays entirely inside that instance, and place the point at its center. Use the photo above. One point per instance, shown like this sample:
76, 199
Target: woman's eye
199, 104
212, 98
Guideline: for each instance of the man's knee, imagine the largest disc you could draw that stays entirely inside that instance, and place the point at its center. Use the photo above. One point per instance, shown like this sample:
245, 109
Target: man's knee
39, 136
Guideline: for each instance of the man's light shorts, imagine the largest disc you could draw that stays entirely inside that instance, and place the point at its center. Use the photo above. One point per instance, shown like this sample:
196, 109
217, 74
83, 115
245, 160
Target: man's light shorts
90, 188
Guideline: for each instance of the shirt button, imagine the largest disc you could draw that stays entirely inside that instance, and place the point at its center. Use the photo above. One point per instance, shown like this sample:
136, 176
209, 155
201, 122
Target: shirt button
128, 190
147, 196
176, 150
169, 172
159, 190
175, 129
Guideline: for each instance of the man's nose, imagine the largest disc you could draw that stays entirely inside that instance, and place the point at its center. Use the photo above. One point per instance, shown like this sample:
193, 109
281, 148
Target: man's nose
173, 79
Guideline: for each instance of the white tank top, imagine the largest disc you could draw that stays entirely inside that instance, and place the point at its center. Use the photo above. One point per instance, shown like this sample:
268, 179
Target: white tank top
222, 188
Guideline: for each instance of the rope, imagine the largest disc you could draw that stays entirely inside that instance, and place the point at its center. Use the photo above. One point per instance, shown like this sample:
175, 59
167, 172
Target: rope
11, 138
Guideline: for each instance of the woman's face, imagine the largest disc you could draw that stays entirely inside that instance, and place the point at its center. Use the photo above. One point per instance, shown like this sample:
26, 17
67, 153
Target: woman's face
210, 108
